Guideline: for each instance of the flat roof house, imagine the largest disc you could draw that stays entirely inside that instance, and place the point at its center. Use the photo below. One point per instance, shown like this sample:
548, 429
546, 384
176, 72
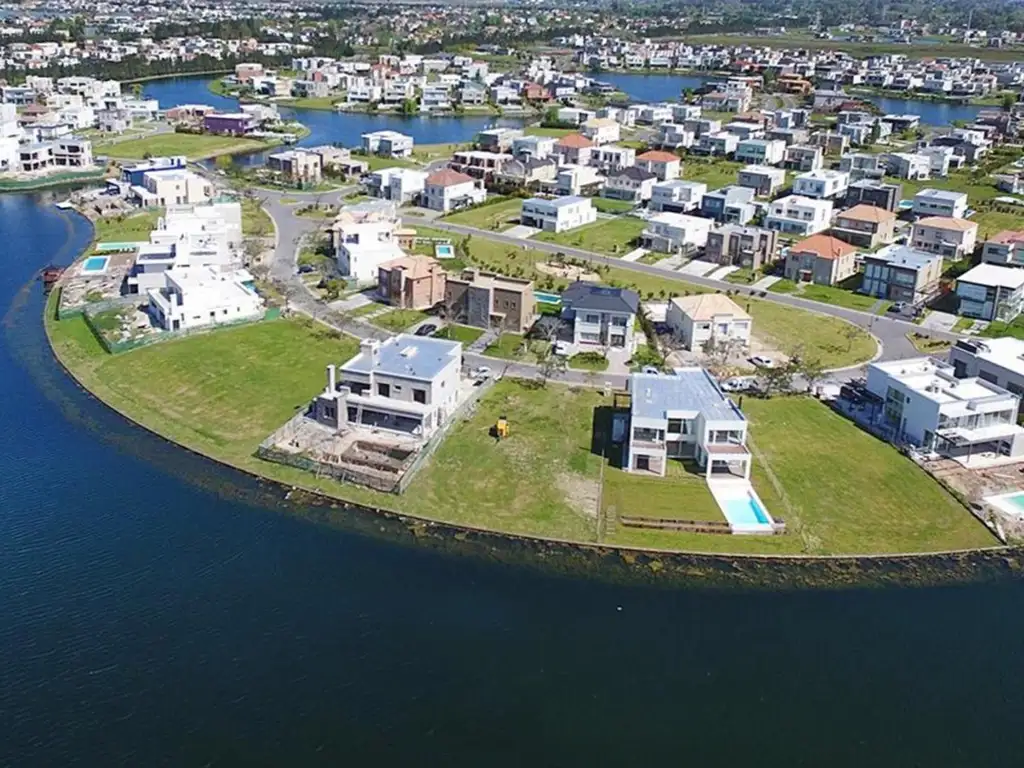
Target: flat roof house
387, 143
737, 245
363, 238
991, 292
803, 157
677, 196
1005, 249
684, 415
821, 184
675, 233
406, 384
797, 215
763, 179
865, 226
297, 165
601, 316
733, 204
489, 300
940, 202
601, 130
761, 151
230, 123
900, 273
411, 282
400, 185
708, 317
1000, 361
948, 237
872, 192
558, 215
923, 403
195, 297
822, 260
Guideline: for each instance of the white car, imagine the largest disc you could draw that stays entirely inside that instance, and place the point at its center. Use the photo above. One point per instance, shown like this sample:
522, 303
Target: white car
762, 362
482, 372
739, 384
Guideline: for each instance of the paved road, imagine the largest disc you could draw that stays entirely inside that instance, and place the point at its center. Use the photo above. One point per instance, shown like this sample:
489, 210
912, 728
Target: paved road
891, 333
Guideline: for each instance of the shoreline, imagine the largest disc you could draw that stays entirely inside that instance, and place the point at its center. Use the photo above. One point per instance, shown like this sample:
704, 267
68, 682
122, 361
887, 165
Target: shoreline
35, 185
649, 565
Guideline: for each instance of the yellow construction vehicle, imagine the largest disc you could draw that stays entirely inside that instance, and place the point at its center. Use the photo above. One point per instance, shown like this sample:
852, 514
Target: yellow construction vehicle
501, 428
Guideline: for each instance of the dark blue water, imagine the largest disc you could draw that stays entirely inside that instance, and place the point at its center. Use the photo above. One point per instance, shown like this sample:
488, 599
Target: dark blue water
650, 88
931, 112
157, 611
331, 127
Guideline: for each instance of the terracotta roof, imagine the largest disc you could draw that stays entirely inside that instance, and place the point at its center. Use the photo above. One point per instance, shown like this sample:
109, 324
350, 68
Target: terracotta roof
705, 306
1008, 237
865, 212
446, 177
414, 266
655, 156
947, 222
575, 141
824, 246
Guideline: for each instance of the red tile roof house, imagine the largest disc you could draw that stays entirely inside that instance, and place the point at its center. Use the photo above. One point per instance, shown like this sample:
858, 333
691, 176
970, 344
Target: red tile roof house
448, 190
536, 92
664, 165
821, 259
575, 148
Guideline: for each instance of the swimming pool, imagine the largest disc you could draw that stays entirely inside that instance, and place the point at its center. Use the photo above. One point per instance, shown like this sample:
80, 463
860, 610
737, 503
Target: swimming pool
1012, 503
95, 264
444, 251
547, 298
745, 511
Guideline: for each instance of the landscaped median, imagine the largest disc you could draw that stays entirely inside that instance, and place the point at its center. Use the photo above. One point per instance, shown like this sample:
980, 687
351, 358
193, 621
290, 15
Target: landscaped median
840, 490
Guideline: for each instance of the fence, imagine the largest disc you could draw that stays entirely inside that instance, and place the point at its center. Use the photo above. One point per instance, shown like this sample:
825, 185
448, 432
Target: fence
91, 311
670, 524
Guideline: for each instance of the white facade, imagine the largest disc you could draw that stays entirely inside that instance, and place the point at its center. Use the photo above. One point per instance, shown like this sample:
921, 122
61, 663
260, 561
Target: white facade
677, 196
400, 185
601, 130
695, 320
676, 232
203, 296
363, 236
940, 202
447, 190
389, 143
535, 147
797, 215
558, 215
613, 157
163, 188
821, 184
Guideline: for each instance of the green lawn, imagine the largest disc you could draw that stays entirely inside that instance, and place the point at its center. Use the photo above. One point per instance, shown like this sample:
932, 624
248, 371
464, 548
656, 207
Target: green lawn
194, 146
508, 346
606, 205
611, 236
494, 216
255, 221
652, 257
681, 495
398, 320
589, 361
962, 324
132, 228
325, 103
715, 173
378, 163
464, 333
365, 309
828, 294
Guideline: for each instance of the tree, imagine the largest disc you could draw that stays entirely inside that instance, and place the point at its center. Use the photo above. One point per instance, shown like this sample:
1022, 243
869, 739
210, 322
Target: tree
549, 364
812, 372
137, 90
1008, 100
332, 289
777, 379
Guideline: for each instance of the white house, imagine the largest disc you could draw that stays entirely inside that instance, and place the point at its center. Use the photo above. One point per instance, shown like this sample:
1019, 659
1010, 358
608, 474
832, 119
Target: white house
677, 196
1000, 361
695, 320
400, 185
940, 202
761, 151
922, 402
406, 384
447, 190
533, 147
664, 165
387, 143
176, 187
798, 215
633, 184
612, 157
676, 232
601, 316
202, 296
363, 238
558, 215
991, 292
821, 184
601, 130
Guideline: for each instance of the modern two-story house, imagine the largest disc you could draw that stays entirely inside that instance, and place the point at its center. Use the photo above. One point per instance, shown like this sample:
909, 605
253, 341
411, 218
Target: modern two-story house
601, 316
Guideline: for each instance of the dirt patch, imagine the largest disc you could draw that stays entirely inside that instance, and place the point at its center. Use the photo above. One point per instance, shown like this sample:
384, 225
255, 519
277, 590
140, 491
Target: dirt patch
568, 272
581, 493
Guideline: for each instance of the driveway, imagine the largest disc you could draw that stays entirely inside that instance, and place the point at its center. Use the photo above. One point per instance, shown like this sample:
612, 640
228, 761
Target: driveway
521, 231
939, 321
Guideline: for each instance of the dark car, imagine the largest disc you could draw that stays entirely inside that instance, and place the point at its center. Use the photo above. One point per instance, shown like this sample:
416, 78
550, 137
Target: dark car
426, 330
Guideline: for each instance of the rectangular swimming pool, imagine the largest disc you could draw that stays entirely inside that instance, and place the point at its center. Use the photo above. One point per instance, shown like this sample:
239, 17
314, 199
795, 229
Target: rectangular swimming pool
95, 264
547, 298
1012, 503
444, 251
745, 511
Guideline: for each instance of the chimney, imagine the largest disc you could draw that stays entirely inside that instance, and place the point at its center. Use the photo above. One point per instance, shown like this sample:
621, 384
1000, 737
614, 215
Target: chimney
331, 379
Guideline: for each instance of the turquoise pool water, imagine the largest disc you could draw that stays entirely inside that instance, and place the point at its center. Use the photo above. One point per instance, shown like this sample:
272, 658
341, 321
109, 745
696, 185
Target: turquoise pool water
547, 298
1016, 501
444, 251
745, 512
95, 264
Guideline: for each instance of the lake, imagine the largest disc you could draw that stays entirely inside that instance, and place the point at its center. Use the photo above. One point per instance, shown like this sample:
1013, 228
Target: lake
155, 610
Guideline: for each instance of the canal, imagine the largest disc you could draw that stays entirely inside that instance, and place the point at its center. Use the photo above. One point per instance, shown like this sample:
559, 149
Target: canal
155, 610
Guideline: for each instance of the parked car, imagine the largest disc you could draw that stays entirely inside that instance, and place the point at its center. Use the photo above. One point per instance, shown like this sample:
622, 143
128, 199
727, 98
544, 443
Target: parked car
739, 384
426, 330
561, 348
305, 269
898, 306
651, 369
762, 362
481, 372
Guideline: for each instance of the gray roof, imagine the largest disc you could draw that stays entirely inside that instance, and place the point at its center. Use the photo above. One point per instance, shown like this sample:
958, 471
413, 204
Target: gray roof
943, 194
903, 256
408, 356
688, 389
635, 172
601, 298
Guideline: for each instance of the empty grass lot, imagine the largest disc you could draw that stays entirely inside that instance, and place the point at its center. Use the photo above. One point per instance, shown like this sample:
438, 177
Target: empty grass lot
536, 130
607, 205
493, 216
255, 221
714, 173
611, 236
828, 294
119, 229
194, 146
398, 320
463, 333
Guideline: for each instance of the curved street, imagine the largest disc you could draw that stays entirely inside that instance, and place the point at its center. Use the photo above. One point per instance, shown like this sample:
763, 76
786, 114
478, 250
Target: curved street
291, 230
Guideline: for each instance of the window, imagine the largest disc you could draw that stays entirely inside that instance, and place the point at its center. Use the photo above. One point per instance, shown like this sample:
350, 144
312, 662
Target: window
675, 426
419, 396
384, 390
591, 318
